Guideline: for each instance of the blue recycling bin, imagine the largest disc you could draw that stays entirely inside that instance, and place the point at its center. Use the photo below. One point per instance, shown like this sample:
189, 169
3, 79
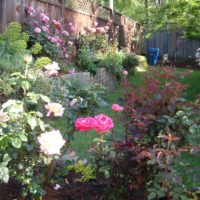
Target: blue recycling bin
152, 56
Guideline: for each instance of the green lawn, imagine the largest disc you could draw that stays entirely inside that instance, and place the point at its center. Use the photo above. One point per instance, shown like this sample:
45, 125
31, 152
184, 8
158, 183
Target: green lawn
82, 141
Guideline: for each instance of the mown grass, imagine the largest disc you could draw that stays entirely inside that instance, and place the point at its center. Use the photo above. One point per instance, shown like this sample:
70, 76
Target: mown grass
84, 140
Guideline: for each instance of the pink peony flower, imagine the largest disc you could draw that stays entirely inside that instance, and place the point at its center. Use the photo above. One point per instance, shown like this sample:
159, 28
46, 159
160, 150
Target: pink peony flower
54, 109
57, 24
125, 73
51, 142
45, 28
85, 124
106, 28
44, 18
117, 108
70, 43
103, 123
30, 10
37, 30
53, 39
72, 28
35, 23
73, 102
65, 33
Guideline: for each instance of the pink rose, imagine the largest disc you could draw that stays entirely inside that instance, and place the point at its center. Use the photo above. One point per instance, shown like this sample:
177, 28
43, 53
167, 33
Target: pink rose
37, 30
117, 108
85, 124
103, 123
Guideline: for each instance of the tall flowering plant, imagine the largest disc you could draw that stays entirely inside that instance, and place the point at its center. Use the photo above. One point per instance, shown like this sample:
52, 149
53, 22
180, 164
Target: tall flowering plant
55, 36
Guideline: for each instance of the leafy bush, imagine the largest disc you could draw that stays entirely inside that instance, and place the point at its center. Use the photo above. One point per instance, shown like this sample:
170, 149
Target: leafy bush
112, 61
15, 40
130, 61
78, 98
41, 62
36, 48
86, 60
13, 44
55, 38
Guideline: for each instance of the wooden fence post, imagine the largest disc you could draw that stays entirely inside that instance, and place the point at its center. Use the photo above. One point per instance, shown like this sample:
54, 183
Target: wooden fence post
4, 15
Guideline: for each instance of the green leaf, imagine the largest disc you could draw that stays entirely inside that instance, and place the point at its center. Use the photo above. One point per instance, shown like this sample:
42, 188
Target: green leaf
6, 159
25, 85
23, 136
152, 196
32, 122
45, 98
16, 142
4, 174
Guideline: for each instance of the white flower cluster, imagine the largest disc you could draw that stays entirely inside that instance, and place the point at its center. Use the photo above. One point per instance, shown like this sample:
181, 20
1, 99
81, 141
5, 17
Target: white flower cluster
197, 56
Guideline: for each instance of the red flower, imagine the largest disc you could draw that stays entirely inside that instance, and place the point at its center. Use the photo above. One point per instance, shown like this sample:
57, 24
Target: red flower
85, 124
103, 123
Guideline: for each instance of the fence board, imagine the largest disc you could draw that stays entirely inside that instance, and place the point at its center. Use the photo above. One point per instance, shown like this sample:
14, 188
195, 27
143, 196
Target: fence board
172, 43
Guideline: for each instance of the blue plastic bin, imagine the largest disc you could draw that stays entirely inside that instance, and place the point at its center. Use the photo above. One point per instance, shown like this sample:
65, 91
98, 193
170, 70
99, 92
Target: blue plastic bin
152, 56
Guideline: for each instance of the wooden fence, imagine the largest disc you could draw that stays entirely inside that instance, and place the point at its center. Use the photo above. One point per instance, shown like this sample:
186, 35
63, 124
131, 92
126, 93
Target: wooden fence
173, 44
79, 12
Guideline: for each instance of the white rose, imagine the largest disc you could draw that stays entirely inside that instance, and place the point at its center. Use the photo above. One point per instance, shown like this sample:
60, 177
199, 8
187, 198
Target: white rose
51, 142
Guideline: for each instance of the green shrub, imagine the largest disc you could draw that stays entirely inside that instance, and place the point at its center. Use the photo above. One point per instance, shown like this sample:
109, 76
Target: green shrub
17, 46
130, 61
14, 37
86, 60
36, 48
112, 61
41, 62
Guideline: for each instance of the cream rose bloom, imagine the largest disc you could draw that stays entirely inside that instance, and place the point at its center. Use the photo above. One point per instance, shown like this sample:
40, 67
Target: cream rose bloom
51, 69
51, 142
54, 109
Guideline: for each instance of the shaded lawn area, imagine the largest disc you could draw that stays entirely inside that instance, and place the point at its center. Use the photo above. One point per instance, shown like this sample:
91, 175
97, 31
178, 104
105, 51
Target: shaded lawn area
84, 140
193, 83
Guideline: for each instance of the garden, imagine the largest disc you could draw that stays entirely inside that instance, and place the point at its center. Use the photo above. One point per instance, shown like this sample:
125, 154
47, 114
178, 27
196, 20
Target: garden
67, 132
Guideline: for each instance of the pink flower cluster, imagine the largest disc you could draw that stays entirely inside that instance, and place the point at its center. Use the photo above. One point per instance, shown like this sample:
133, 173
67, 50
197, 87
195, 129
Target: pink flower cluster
55, 31
30, 10
101, 123
117, 108
93, 30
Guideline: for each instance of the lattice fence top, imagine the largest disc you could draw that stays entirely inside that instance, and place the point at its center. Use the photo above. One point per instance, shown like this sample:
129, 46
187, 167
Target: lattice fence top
103, 13
54, 1
83, 6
